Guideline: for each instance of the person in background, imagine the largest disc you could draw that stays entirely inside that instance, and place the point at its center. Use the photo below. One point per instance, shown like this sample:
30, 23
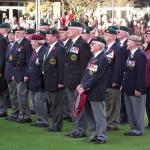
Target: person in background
147, 54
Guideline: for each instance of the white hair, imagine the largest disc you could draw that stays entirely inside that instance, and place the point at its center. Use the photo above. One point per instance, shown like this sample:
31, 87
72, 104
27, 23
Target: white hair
102, 45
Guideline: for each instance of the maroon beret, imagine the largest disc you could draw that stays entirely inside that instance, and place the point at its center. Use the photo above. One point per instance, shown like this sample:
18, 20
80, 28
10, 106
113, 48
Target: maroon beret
37, 37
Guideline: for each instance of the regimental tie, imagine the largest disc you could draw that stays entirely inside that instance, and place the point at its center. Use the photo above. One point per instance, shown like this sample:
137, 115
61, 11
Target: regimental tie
34, 56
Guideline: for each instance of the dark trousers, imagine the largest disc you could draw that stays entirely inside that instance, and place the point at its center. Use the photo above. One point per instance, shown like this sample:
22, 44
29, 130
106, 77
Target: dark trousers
148, 105
123, 113
56, 102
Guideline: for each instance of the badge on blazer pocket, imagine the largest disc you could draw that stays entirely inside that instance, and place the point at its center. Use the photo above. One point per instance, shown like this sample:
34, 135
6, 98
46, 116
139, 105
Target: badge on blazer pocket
131, 64
10, 57
74, 57
52, 61
109, 60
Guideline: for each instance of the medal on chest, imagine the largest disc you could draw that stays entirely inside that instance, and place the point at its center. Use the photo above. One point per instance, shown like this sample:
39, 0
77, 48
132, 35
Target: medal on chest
92, 67
110, 56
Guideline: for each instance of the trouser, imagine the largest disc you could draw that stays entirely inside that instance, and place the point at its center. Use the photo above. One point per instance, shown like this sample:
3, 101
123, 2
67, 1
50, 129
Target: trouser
40, 98
113, 104
79, 122
56, 101
135, 106
96, 119
22, 96
12, 87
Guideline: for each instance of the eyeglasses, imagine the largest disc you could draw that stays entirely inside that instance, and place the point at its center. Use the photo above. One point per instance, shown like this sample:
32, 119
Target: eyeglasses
92, 43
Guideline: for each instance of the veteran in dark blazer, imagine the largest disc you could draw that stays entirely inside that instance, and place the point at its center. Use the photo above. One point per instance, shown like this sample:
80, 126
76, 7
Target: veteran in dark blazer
122, 36
134, 87
66, 41
116, 60
36, 80
22, 59
94, 84
76, 59
3, 83
9, 73
53, 72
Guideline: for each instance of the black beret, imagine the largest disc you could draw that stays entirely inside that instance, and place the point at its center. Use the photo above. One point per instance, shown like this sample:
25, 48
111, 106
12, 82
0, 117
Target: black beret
75, 24
12, 31
30, 31
45, 24
99, 39
124, 28
113, 27
52, 31
64, 28
90, 28
86, 31
42, 32
5, 25
111, 31
20, 29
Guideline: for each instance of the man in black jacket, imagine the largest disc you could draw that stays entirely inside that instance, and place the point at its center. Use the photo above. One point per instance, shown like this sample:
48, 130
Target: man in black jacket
76, 59
66, 41
122, 36
116, 60
9, 72
22, 59
3, 85
134, 87
53, 72
94, 84
36, 82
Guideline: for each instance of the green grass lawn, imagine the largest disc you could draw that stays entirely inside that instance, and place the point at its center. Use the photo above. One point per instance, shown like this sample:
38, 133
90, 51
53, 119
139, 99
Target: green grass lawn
14, 136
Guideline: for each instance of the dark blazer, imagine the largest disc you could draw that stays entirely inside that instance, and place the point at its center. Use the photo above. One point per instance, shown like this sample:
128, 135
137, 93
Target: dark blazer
53, 67
134, 77
116, 60
95, 78
10, 61
22, 59
76, 60
36, 79
67, 45
3, 47
124, 49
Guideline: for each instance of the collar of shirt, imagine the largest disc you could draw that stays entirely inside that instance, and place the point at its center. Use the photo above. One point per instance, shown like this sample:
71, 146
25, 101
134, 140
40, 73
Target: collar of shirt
89, 40
37, 50
122, 41
19, 41
5, 35
64, 42
110, 45
133, 51
75, 39
97, 53
12, 43
52, 45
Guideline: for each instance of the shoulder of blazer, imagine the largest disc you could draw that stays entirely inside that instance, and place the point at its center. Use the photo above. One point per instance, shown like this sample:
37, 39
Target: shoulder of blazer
25, 42
139, 53
79, 41
116, 46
